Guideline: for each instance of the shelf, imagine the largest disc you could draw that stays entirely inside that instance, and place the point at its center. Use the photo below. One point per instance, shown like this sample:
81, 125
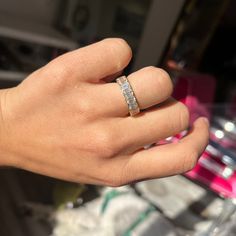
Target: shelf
27, 31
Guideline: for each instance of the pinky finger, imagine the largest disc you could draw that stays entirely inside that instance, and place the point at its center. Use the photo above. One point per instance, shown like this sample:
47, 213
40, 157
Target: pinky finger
170, 159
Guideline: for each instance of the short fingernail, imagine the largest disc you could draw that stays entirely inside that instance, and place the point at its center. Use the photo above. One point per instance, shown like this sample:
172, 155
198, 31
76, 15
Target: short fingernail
204, 119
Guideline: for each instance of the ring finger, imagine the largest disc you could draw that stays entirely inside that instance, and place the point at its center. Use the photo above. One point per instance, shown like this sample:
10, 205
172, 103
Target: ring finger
151, 86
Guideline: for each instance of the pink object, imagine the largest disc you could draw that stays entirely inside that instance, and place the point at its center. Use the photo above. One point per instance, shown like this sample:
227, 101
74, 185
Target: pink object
209, 171
225, 141
213, 179
197, 92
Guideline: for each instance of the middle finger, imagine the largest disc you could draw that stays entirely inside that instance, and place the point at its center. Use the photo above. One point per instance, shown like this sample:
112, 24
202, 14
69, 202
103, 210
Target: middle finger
154, 125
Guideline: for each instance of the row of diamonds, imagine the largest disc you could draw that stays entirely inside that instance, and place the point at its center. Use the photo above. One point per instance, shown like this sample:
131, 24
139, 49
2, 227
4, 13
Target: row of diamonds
128, 94
133, 106
130, 97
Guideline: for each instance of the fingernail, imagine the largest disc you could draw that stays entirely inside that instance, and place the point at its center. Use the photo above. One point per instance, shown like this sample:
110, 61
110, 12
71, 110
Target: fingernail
205, 120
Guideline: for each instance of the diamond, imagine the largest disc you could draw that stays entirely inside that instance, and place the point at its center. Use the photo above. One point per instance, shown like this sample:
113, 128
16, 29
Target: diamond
131, 100
125, 86
129, 95
133, 106
128, 92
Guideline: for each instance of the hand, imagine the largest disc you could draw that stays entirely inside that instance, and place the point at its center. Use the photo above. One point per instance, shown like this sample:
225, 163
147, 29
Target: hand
67, 122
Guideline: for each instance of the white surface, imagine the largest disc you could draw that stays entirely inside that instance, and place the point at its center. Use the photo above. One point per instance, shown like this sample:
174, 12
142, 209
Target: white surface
179, 198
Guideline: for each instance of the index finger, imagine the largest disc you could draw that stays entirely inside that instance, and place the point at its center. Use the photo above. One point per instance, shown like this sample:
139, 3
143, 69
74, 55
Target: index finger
96, 61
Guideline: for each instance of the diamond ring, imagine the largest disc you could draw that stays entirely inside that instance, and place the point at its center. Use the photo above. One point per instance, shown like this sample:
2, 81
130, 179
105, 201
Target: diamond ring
129, 95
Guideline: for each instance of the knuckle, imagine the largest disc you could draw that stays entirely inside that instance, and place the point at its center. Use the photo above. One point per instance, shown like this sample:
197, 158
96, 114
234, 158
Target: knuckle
59, 69
161, 80
119, 51
125, 175
190, 161
116, 173
59, 73
113, 177
106, 144
119, 180
152, 71
183, 117
162, 73
85, 106
165, 81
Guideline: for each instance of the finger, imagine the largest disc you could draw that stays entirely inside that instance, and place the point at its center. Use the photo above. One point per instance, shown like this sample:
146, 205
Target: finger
154, 125
168, 159
94, 62
151, 86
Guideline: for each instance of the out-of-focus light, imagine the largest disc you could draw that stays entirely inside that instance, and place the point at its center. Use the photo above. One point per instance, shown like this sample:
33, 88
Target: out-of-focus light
229, 126
213, 151
227, 172
69, 205
219, 134
169, 138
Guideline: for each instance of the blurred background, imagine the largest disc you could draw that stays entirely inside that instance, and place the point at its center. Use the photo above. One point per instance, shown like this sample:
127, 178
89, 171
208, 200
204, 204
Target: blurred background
194, 40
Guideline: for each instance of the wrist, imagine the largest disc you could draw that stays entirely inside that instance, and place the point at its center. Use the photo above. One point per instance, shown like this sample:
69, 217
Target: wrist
6, 156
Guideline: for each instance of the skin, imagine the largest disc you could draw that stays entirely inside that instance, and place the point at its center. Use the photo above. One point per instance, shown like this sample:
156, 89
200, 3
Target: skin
67, 122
